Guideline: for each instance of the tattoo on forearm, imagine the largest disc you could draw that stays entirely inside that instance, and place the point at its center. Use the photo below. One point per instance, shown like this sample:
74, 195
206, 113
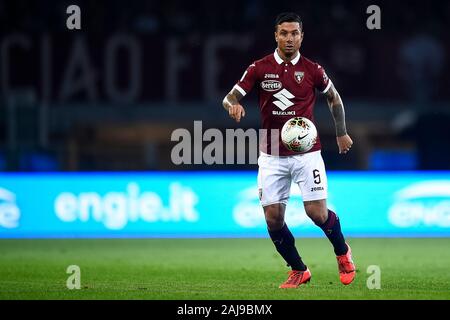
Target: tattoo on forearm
337, 110
338, 113
231, 98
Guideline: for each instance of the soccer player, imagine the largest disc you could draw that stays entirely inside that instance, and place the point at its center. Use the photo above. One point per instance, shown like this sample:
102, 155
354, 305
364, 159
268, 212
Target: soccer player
287, 82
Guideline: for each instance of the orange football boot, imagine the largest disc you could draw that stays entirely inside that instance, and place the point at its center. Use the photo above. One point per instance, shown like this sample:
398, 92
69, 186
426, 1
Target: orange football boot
346, 267
296, 278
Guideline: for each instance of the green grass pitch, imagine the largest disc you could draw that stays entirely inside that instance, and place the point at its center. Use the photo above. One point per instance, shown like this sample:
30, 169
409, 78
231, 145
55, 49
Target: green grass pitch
218, 269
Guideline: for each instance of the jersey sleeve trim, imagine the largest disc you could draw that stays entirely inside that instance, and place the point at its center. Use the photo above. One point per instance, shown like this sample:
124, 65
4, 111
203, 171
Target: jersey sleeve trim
238, 88
328, 86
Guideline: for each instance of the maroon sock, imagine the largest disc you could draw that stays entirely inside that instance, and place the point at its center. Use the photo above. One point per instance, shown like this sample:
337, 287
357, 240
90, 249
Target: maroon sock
332, 229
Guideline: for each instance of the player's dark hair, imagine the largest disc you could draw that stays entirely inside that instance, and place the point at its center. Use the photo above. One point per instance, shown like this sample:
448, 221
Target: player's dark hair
288, 17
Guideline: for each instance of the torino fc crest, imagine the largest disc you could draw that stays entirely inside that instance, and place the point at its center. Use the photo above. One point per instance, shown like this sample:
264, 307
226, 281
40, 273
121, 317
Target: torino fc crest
299, 76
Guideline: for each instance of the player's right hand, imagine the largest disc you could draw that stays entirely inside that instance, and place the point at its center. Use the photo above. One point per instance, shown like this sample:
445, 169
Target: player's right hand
236, 112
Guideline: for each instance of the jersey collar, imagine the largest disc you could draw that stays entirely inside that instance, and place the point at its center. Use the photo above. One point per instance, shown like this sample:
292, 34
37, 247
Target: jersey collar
279, 60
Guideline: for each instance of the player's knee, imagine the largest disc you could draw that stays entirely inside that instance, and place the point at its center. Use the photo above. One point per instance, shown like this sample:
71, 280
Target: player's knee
274, 223
317, 214
318, 219
274, 217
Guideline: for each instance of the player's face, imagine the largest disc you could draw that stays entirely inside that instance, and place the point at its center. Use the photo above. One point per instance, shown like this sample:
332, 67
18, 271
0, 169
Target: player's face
289, 37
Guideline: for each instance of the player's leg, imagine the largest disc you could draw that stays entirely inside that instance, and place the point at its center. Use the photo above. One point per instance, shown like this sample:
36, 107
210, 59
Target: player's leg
284, 242
274, 184
281, 236
312, 180
329, 222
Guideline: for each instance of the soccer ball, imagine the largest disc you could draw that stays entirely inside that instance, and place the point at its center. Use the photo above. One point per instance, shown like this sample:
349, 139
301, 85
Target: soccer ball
299, 134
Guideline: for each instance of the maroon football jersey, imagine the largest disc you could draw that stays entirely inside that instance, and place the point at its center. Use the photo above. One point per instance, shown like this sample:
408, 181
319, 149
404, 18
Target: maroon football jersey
285, 90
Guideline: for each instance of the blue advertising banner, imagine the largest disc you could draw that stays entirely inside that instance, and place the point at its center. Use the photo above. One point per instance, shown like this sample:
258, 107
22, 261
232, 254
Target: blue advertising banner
214, 204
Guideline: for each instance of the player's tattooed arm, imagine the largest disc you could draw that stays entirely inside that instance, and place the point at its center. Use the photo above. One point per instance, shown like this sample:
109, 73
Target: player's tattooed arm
337, 110
343, 140
232, 105
232, 98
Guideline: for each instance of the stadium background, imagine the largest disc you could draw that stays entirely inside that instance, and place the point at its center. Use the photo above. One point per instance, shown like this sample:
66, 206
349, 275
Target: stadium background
86, 118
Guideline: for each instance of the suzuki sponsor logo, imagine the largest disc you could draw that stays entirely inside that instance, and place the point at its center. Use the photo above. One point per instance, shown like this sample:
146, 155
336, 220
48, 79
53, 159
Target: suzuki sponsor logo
9, 211
422, 204
271, 85
283, 113
283, 101
116, 209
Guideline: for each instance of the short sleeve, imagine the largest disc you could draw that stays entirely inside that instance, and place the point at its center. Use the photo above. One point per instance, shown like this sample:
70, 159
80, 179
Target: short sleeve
247, 81
321, 80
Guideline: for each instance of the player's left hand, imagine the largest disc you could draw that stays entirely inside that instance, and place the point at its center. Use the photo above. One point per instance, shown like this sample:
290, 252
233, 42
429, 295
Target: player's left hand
344, 143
